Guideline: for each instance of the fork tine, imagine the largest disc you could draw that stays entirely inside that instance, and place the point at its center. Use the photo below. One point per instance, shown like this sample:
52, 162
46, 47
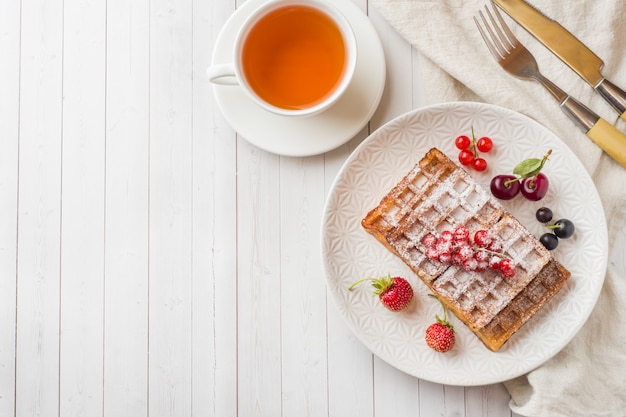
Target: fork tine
509, 37
495, 49
496, 34
493, 40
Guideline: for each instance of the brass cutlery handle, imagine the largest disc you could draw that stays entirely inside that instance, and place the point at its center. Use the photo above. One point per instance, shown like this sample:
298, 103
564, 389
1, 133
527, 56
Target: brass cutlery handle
611, 140
604, 134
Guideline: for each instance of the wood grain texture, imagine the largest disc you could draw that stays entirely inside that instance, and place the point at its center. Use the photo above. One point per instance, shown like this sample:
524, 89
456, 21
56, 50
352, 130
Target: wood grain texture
38, 259
214, 250
82, 210
170, 209
126, 273
9, 156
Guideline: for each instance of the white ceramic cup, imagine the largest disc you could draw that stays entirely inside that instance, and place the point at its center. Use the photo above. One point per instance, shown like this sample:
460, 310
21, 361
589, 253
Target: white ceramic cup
234, 73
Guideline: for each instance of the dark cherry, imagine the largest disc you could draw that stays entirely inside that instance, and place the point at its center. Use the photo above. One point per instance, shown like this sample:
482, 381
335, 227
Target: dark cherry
565, 228
543, 215
504, 186
535, 188
549, 241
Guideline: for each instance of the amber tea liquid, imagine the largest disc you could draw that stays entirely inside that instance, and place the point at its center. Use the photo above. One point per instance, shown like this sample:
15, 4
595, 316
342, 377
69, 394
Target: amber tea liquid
294, 57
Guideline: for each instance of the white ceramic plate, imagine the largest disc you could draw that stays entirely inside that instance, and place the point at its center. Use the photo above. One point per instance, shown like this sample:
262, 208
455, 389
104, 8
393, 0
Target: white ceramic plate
305, 136
349, 253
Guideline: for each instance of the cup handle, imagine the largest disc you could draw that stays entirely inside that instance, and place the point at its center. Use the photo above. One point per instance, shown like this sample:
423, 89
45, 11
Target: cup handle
223, 74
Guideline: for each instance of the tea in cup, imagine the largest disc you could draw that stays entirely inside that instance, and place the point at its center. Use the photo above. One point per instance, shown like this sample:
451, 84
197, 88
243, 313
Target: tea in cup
292, 57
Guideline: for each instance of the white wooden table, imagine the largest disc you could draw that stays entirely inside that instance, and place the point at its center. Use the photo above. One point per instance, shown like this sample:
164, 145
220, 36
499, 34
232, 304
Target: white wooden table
152, 262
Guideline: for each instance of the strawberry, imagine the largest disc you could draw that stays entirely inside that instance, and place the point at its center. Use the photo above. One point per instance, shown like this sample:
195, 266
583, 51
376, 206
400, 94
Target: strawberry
394, 293
440, 335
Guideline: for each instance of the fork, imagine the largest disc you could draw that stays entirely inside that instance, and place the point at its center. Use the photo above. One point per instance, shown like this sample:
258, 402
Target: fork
515, 59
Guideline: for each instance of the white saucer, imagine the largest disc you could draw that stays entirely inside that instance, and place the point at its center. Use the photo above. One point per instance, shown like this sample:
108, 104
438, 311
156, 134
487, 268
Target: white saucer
305, 136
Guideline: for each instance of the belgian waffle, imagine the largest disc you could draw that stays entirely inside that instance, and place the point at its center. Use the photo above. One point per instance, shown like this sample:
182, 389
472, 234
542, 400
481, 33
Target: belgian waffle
438, 195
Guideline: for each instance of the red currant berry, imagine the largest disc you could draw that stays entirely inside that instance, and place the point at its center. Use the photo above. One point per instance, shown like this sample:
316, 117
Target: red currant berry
482, 238
484, 144
479, 164
443, 246
470, 265
466, 157
432, 253
464, 253
495, 245
507, 267
494, 262
461, 234
445, 258
429, 240
462, 142
482, 256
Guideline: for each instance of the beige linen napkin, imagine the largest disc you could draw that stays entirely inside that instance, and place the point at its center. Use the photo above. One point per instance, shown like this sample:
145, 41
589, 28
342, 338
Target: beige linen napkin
588, 377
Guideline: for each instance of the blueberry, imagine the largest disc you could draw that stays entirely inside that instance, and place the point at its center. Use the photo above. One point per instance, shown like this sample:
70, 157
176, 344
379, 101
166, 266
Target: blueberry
544, 215
565, 228
549, 241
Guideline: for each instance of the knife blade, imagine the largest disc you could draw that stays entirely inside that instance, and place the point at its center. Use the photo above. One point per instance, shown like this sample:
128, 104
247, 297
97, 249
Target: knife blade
568, 48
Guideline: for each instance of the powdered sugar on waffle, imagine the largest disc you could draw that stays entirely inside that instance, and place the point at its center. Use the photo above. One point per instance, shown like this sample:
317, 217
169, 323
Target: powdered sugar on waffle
436, 196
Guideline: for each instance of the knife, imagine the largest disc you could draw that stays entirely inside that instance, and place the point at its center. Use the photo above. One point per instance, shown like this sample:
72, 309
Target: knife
568, 48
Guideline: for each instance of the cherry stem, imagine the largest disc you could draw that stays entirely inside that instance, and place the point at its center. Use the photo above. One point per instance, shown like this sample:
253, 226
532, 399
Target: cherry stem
512, 180
543, 162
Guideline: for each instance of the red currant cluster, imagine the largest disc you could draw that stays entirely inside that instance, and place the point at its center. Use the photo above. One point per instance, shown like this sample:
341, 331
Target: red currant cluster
475, 253
469, 150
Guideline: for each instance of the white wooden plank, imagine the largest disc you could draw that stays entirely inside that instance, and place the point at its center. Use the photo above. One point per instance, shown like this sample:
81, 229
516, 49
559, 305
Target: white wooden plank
214, 378
350, 370
82, 213
258, 282
396, 393
170, 208
441, 400
303, 291
397, 97
38, 248
9, 122
489, 400
126, 209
